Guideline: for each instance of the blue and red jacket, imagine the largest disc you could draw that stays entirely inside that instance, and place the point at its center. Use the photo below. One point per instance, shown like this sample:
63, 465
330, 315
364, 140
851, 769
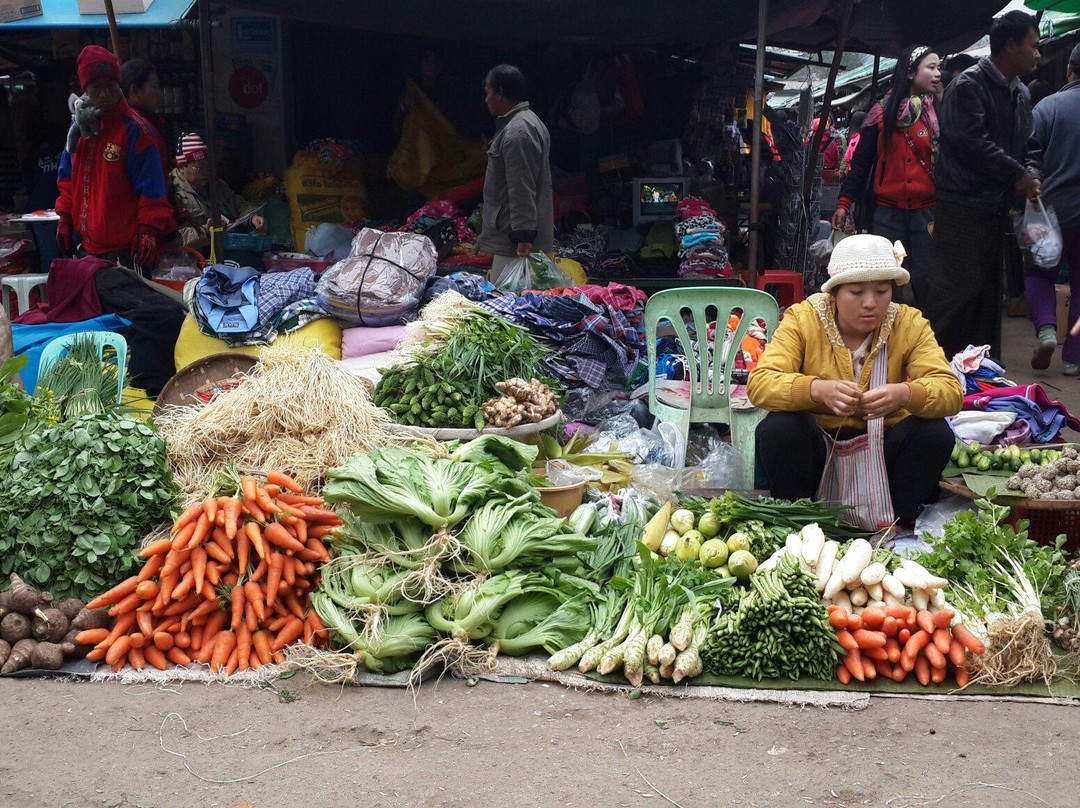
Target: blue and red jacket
114, 183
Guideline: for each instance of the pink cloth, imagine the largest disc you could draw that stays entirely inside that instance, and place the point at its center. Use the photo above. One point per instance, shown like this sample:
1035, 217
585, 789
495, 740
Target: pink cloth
1032, 392
356, 342
617, 295
72, 293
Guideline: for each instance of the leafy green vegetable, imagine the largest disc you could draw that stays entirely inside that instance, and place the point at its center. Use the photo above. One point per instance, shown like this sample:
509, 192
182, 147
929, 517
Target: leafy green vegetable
539, 620
81, 382
19, 413
969, 552
76, 501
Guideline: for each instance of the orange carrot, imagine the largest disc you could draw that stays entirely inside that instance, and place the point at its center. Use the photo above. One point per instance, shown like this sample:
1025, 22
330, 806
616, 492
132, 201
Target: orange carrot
884, 669
224, 542
301, 531
259, 572
116, 594
293, 604
967, 639
922, 670
847, 642
155, 656
190, 514
128, 604
151, 567
937, 675
198, 568
183, 536
289, 633
892, 648
147, 590
278, 623
243, 551
869, 639
957, 653
232, 514
898, 612
252, 509
254, 535
296, 499
255, 598
237, 607
260, 642
262, 499
182, 639
319, 548
926, 622
182, 589
138, 639
120, 627
196, 638
309, 634
213, 573
136, 658
278, 535
284, 480
278, 657
215, 552
934, 656
273, 577
942, 639
854, 622
97, 654
903, 635
873, 617
943, 618
889, 626
962, 677
223, 647
869, 671
118, 649
320, 515
288, 572
174, 561
233, 663
156, 548
163, 640
919, 640
898, 673
877, 654
853, 662
251, 620
145, 621
321, 634
92, 636
243, 645
318, 531
272, 489
211, 507
247, 486
178, 656
214, 624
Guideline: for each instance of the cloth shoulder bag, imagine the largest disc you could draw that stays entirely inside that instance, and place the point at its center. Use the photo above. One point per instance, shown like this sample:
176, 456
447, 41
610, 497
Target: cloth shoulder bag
855, 474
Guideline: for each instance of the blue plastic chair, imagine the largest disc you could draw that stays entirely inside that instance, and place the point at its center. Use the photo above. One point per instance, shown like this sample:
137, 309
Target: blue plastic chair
102, 339
710, 404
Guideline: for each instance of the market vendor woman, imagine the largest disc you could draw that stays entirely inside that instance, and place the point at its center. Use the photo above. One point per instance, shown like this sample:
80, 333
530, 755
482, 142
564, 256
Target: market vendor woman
815, 376
189, 192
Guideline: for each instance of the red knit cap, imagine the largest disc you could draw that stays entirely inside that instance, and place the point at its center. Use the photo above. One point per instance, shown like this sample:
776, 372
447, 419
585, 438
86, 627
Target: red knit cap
95, 62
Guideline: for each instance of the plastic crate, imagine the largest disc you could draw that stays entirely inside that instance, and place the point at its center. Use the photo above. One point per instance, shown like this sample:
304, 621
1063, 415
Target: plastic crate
248, 242
1046, 525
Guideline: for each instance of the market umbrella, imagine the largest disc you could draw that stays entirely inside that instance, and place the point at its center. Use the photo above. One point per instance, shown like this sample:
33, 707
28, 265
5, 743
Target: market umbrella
1065, 6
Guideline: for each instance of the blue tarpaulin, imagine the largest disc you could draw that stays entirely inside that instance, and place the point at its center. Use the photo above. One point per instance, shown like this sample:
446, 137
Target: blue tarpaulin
65, 14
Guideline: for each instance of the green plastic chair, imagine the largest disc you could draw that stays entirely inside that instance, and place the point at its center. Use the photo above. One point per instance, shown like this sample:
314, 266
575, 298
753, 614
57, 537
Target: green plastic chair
56, 348
711, 405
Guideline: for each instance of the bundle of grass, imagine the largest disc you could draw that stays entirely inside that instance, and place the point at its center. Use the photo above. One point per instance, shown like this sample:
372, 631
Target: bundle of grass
82, 382
297, 410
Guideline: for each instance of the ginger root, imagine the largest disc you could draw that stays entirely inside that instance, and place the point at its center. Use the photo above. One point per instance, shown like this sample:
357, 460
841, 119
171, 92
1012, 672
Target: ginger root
522, 402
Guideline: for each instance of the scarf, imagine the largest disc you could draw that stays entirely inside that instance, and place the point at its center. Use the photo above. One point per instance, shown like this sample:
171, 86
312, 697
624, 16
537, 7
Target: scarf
908, 113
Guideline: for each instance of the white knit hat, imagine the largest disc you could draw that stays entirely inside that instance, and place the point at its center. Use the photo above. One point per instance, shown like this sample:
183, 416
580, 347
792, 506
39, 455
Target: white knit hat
865, 258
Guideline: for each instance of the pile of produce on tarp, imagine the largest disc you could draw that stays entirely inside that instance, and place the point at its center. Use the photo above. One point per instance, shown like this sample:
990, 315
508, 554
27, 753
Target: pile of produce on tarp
35, 633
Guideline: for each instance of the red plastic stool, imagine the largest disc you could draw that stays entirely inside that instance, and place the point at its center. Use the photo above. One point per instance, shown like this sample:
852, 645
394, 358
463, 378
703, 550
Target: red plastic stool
790, 283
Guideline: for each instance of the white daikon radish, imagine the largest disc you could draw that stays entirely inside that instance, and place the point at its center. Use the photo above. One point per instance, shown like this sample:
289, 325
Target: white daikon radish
873, 574
834, 585
842, 599
855, 560
892, 586
875, 592
911, 578
920, 599
892, 600
932, 581
813, 539
793, 543
826, 563
879, 603
937, 598
859, 597
773, 560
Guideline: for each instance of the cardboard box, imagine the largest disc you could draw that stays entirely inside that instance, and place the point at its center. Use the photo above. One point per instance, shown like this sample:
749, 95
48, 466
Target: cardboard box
15, 10
1062, 290
119, 6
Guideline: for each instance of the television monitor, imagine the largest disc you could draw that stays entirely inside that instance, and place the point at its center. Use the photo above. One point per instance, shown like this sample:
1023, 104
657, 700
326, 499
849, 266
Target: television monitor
656, 198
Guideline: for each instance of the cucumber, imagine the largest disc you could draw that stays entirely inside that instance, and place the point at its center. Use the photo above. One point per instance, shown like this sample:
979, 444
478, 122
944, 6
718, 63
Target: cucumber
983, 463
963, 461
955, 451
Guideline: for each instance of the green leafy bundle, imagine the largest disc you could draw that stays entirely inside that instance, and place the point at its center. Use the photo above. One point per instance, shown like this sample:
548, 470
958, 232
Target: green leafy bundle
76, 501
19, 413
777, 628
970, 552
81, 382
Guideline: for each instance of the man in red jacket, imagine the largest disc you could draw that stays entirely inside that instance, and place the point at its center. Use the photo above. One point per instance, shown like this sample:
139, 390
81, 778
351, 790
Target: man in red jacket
112, 189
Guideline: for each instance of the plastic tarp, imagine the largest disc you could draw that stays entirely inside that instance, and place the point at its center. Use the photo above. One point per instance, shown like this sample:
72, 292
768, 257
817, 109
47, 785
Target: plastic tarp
65, 14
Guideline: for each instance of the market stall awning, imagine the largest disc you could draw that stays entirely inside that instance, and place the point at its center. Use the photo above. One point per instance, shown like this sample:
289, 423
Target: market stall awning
65, 14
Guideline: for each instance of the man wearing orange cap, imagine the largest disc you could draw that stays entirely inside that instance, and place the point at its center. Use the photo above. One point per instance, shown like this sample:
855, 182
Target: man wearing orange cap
112, 188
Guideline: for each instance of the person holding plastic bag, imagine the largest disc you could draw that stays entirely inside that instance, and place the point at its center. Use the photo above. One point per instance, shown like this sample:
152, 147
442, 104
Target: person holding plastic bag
858, 391
1054, 152
519, 215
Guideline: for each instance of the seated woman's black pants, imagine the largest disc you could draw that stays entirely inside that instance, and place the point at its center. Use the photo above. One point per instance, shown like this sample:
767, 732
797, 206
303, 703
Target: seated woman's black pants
792, 450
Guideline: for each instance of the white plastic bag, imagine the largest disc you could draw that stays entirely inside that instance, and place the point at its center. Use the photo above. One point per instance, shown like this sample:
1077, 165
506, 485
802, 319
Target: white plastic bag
535, 272
1039, 234
722, 468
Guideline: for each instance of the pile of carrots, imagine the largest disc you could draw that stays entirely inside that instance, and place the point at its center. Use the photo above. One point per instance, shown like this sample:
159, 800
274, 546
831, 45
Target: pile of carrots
229, 587
894, 641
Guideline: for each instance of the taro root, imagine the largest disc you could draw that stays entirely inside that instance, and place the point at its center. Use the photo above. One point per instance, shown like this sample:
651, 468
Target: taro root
71, 648
15, 627
5, 651
91, 618
20, 656
47, 656
24, 598
50, 626
70, 607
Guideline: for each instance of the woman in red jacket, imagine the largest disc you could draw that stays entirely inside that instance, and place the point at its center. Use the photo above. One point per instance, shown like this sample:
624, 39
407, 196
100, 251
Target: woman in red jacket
892, 169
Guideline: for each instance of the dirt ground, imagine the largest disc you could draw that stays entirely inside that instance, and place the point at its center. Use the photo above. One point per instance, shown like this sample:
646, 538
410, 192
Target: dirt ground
105, 746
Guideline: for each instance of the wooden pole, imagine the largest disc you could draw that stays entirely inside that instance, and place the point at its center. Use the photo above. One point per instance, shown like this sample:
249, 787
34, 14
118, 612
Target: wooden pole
826, 104
114, 32
216, 238
877, 70
755, 147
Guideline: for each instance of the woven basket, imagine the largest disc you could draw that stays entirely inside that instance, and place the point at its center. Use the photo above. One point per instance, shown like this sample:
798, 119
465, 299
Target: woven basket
208, 372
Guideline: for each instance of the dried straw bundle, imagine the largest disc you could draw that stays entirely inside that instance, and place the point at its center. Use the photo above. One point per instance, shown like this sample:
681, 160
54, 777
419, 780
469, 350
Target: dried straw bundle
297, 411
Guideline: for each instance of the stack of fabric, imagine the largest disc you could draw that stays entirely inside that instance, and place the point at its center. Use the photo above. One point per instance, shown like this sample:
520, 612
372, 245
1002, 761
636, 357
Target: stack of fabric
587, 247
596, 333
977, 372
1038, 419
701, 240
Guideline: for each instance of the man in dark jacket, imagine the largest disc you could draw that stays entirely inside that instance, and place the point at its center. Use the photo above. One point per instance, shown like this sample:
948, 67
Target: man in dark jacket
518, 208
1053, 152
980, 173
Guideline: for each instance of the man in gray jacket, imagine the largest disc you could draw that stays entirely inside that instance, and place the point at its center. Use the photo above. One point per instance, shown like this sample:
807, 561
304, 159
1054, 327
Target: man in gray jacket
1053, 152
518, 211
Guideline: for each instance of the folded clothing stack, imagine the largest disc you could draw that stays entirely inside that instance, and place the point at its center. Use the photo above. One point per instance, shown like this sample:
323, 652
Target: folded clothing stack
703, 252
587, 247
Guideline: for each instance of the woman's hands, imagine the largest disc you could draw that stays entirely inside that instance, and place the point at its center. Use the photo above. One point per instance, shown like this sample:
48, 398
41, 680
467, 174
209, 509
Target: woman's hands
883, 401
841, 397
845, 398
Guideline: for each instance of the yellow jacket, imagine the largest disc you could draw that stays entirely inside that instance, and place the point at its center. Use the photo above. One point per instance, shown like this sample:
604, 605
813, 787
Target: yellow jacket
808, 346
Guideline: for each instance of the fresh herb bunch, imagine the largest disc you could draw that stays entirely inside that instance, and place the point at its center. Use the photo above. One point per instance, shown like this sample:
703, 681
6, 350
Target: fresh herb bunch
970, 552
76, 501
82, 382
19, 413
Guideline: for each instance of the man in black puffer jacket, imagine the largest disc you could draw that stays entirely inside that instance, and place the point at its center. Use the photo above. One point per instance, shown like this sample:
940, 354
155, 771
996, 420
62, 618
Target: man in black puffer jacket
980, 174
